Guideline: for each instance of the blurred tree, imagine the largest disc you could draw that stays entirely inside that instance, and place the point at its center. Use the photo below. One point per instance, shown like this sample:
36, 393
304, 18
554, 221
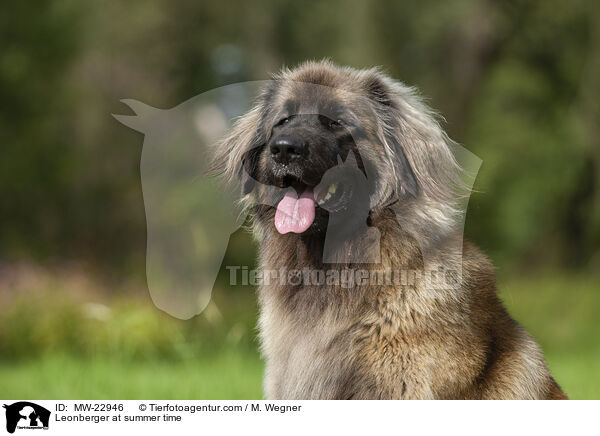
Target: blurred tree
507, 77
39, 41
516, 80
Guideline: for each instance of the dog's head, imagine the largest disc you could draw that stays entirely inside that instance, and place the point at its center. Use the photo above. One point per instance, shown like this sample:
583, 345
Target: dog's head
340, 141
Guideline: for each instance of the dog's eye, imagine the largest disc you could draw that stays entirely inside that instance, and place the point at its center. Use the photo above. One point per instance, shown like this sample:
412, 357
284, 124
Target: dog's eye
283, 121
337, 123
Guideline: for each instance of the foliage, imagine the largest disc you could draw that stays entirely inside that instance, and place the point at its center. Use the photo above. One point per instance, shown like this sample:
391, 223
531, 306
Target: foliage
516, 80
76, 347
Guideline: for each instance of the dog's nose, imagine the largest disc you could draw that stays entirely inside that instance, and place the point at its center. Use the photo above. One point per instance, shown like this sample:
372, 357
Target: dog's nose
287, 148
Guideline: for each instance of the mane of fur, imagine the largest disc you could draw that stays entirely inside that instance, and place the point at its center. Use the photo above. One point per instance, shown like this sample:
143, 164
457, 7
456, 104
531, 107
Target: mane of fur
386, 341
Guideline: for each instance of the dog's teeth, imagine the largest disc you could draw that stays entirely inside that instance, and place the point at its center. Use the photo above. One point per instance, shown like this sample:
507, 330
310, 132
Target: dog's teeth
330, 192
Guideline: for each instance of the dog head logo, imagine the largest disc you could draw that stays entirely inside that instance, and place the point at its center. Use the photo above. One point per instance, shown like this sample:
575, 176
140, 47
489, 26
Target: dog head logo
263, 155
26, 415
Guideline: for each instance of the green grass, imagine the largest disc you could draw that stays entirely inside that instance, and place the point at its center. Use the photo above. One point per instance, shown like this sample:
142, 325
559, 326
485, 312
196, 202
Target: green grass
64, 337
562, 313
227, 375
54, 346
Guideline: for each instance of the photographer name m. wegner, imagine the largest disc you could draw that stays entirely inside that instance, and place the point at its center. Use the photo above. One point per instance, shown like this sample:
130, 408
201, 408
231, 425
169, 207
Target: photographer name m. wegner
439, 278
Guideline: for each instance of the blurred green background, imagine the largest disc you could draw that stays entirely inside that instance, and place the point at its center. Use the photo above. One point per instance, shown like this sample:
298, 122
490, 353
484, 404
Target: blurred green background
517, 82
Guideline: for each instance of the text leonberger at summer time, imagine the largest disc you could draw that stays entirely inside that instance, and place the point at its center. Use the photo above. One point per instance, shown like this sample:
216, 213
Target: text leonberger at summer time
327, 144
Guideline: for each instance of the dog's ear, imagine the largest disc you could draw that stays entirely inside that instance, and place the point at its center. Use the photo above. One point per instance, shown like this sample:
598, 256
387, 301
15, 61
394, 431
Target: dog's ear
383, 95
378, 90
233, 155
247, 182
236, 156
249, 174
407, 180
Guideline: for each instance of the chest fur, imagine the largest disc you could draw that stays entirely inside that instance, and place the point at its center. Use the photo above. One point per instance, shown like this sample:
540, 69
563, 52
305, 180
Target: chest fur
373, 352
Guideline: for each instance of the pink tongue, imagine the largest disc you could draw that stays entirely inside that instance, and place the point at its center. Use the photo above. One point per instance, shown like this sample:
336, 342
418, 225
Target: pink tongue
295, 214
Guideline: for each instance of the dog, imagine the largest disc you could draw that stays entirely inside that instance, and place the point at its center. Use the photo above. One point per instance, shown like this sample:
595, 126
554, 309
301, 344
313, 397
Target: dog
369, 339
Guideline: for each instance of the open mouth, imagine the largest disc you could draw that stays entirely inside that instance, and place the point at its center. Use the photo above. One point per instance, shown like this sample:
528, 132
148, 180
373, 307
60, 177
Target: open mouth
334, 197
296, 210
295, 213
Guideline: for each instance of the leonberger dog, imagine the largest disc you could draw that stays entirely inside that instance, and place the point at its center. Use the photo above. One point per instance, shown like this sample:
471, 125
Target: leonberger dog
375, 336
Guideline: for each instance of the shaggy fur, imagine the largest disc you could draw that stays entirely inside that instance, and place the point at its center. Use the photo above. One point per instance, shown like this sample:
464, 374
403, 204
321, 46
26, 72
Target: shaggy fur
383, 340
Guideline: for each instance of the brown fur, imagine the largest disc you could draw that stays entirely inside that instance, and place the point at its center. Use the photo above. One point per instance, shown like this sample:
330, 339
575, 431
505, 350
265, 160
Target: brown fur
384, 341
